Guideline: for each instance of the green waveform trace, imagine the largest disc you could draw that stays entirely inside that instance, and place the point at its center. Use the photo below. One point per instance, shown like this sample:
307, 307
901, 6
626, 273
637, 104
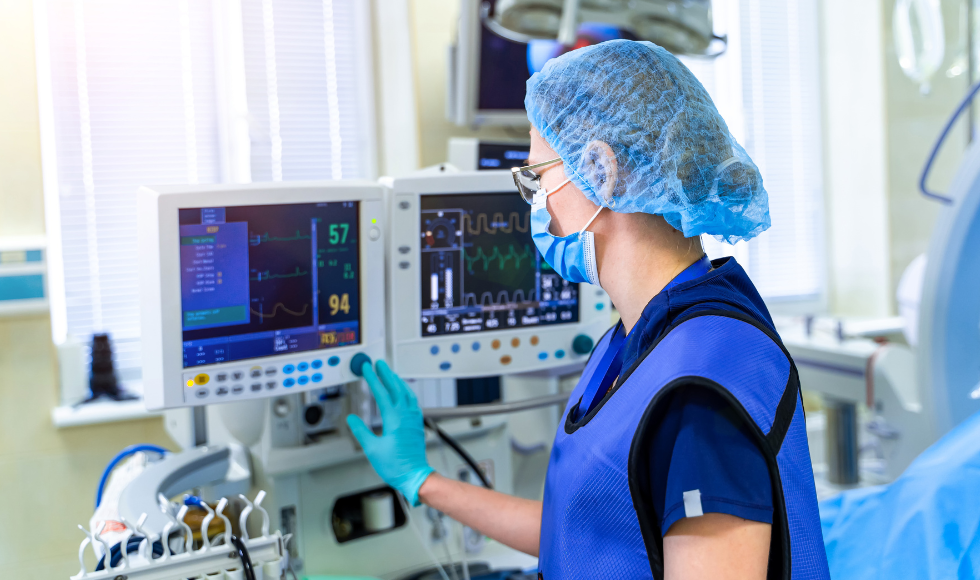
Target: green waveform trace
267, 238
263, 276
502, 259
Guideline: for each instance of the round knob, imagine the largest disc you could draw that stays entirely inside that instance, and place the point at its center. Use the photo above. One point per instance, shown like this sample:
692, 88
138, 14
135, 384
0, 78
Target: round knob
582, 344
313, 414
357, 363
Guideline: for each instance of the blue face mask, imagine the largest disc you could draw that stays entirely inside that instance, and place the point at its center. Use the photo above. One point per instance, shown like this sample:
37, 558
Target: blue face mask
572, 256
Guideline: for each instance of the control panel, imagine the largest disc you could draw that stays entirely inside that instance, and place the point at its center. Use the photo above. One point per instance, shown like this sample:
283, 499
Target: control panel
256, 380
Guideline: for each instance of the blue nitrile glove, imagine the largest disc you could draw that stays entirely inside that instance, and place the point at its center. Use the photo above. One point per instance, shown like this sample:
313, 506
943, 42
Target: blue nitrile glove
399, 454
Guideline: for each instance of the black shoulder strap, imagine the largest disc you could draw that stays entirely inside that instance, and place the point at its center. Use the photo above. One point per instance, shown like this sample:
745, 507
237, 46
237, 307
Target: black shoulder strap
787, 402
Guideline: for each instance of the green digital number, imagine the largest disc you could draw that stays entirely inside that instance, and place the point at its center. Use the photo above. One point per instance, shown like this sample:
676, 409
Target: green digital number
339, 237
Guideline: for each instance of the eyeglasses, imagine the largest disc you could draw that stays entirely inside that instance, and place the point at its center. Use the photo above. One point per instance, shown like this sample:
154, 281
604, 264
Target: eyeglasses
528, 182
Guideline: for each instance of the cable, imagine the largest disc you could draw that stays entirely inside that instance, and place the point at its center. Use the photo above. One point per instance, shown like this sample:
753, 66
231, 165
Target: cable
119, 457
425, 545
460, 451
248, 570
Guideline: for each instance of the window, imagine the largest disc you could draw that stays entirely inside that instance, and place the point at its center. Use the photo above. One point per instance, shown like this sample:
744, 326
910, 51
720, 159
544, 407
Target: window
167, 91
767, 87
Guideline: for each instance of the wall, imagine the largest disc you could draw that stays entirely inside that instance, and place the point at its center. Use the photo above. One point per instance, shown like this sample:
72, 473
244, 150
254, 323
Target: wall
855, 161
47, 476
913, 123
878, 131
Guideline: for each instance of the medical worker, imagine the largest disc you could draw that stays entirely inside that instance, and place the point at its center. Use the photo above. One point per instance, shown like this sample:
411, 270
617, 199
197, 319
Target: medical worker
683, 450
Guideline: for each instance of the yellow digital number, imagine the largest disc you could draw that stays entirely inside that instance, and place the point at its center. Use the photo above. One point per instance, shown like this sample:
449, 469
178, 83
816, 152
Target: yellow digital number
338, 303
328, 338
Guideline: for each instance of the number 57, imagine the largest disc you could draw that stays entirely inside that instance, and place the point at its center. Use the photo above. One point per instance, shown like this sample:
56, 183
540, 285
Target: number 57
336, 237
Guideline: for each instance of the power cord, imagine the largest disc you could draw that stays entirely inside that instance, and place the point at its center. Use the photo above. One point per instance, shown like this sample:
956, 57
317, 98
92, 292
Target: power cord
248, 570
450, 441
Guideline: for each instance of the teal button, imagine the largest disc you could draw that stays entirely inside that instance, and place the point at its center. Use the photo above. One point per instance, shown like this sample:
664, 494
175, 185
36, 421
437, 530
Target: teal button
333, 361
559, 353
316, 364
600, 306
317, 377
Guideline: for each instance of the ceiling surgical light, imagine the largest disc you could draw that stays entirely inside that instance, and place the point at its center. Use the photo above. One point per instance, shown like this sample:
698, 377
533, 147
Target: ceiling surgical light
681, 26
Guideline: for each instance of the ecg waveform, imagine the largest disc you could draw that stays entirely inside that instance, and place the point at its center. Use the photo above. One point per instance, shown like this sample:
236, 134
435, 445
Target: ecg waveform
502, 259
496, 223
276, 308
265, 238
503, 297
262, 276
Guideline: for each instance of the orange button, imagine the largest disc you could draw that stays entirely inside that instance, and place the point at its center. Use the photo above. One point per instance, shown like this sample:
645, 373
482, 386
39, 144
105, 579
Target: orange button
495, 344
515, 342
202, 379
505, 360
534, 340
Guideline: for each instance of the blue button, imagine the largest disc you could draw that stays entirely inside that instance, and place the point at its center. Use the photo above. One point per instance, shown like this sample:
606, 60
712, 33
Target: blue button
455, 348
600, 306
288, 369
445, 366
333, 361
301, 367
317, 377
542, 355
476, 346
288, 383
316, 364
559, 354
434, 350
303, 380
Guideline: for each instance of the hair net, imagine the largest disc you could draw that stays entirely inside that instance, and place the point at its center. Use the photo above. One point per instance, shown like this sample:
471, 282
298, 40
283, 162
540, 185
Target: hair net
674, 154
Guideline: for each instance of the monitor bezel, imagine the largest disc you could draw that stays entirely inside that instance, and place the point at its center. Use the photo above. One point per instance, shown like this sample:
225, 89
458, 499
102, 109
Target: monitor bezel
160, 292
404, 329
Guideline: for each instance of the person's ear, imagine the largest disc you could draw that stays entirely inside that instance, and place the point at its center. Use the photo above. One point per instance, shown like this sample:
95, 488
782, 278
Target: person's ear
600, 168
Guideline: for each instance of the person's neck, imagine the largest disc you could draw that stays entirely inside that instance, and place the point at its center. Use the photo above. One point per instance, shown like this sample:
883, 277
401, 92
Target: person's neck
633, 271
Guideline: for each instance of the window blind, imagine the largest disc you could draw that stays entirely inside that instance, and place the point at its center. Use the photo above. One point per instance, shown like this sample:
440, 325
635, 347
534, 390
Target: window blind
134, 98
767, 86
132, 102
305, 67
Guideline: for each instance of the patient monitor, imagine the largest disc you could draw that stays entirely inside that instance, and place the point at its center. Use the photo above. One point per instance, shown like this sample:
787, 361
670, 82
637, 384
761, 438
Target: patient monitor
253, 291
469, 295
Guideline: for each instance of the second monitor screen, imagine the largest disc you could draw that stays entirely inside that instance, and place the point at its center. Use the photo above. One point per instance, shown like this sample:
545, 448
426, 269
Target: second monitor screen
481, 271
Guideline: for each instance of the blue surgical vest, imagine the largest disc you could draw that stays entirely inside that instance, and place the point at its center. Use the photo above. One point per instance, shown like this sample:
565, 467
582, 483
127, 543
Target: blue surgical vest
598, 519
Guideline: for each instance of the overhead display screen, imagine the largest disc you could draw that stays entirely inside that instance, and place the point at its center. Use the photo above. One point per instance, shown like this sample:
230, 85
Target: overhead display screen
481, 271
265, 280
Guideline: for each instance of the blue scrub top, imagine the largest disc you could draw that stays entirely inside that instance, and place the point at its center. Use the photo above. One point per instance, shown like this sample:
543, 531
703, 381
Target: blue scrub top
702, 444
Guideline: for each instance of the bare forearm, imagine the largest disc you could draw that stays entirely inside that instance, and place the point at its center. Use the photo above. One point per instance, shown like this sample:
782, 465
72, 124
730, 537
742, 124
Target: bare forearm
513, 521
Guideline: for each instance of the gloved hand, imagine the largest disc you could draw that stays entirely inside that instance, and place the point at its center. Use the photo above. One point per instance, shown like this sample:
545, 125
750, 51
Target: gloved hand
398, 455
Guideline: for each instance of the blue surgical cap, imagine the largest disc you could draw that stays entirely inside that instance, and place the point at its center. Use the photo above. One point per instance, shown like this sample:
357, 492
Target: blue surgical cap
674, 154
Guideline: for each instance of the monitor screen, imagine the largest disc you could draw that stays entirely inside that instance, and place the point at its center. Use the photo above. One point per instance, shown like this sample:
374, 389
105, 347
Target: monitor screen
481, 271
265, 280
502, 155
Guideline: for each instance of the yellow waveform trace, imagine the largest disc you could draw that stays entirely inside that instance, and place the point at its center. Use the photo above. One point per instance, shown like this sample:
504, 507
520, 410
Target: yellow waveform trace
275, 310
482, 225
